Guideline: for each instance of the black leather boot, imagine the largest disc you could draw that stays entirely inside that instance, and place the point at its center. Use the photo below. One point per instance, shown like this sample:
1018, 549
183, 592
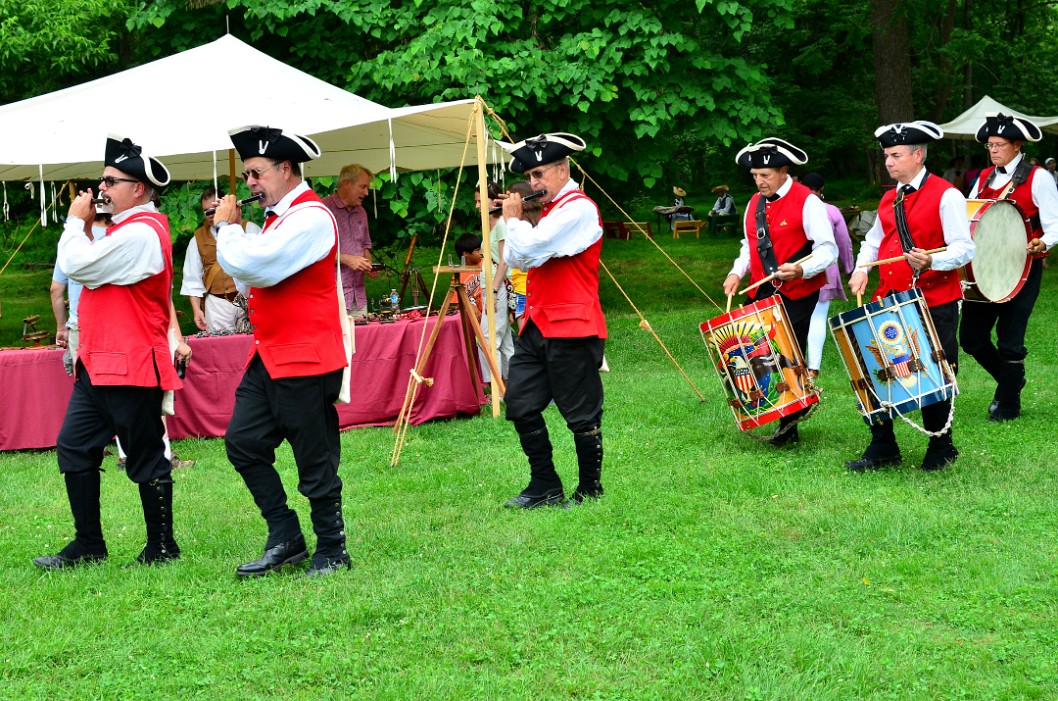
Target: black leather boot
157, 499
1006, 405
882, 451
545, 486
329, 525
589, 464
82, 490
941, 450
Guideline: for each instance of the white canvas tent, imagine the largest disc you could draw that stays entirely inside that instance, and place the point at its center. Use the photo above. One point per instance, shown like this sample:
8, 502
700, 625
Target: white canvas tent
965, 126
168, 107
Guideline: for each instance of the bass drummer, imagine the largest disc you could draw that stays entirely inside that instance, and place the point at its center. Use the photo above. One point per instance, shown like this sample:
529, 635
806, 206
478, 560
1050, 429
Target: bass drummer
923, 213
788, 235
1032, 188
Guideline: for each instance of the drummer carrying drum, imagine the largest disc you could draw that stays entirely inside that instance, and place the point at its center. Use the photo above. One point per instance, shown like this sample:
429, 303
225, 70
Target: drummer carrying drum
1032, 189
924, 212
788, 235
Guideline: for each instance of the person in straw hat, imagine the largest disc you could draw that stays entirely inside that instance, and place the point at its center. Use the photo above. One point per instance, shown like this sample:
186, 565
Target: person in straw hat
124, 363
784, 224
1033, 189
935, 214
294, 372
725, 203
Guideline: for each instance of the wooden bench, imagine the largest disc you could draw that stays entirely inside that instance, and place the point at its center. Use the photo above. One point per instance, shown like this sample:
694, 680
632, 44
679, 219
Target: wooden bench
685, 226
633, 228
726, 222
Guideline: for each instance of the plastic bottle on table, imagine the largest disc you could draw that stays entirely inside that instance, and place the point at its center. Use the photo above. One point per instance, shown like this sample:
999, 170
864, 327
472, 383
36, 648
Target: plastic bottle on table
394, 301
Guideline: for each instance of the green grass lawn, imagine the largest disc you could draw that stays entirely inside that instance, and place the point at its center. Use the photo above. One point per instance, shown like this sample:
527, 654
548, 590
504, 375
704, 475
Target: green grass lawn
716, 567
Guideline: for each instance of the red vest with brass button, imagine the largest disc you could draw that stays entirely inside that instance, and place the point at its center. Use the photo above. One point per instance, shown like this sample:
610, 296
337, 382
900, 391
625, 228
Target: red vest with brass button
922, 208
125, 328
295, 322
785, 217
1022, 196
562, 295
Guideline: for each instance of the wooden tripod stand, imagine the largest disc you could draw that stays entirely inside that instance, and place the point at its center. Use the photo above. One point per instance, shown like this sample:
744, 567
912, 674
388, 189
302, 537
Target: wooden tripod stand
408, 274
471, 331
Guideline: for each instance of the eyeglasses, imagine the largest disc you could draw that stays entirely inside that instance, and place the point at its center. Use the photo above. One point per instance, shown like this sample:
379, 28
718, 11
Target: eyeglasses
256, 173
539, 172
111, 181
996, 146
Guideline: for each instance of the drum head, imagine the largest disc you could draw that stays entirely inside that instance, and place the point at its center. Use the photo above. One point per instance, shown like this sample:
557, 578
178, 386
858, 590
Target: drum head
1000, 262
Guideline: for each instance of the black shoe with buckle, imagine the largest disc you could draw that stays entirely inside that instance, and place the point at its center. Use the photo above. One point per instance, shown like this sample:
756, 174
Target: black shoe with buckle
532, 501
324, 566
939, 458
72, 555
873, 463
784, 437
289, 552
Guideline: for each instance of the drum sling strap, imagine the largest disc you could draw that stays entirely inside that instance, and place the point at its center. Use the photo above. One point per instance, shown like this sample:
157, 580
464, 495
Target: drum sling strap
906, 242
1020, 175
764, 247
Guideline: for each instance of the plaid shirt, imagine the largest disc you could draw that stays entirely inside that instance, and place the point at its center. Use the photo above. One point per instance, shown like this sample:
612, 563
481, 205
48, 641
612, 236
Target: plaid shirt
353, 239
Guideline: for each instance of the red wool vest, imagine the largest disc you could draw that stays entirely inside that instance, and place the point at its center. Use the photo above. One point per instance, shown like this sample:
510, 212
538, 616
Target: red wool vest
125, 328
295, 323
1022, 196
922, 208
786, 228
562, 295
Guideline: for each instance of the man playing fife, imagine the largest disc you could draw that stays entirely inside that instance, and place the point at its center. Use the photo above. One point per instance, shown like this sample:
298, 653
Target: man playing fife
1033, 189
124, 363
785, 224
561, 344
935, 214
294, 370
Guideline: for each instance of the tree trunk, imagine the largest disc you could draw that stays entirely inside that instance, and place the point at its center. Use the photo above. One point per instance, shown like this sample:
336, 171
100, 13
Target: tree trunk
892, 62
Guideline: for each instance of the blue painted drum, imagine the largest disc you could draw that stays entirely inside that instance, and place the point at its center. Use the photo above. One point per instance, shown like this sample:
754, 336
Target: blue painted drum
893, 356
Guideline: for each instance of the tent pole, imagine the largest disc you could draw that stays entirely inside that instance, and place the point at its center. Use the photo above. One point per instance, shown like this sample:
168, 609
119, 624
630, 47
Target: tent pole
486, 250
231, 170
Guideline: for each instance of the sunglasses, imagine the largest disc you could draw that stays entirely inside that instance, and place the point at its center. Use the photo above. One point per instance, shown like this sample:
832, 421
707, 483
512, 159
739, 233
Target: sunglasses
539, 172
111, 181
256, 173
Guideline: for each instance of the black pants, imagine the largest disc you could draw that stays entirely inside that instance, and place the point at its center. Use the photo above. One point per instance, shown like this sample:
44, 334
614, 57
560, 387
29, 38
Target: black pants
1010, 320
97, 413
563, 369
299, 409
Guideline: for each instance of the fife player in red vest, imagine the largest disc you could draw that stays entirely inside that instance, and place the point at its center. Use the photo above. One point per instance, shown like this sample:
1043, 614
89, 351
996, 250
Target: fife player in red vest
936, 216
294, 370
123, 364
560, 347
1033, 189
784, 223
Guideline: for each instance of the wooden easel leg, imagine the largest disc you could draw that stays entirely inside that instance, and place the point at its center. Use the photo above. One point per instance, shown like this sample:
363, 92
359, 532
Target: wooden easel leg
490, 355
413, 384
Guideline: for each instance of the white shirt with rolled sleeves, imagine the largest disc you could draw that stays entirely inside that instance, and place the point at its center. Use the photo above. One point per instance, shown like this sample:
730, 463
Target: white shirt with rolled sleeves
131, 255
565, 231
1044, 196
260, 260
193, 285
954, 222
818, 230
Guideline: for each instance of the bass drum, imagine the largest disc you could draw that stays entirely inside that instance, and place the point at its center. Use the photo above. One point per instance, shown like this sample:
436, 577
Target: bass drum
1001, 262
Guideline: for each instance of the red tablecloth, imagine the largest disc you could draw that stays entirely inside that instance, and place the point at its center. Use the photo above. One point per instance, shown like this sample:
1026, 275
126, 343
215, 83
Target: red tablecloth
36, 389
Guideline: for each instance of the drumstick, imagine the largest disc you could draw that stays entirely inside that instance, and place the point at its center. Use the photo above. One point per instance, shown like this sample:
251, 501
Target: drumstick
899, 258
770, 277
728, 310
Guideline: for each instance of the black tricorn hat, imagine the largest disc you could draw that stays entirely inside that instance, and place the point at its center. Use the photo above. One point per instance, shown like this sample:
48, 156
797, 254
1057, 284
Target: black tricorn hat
269, 142
541, 150
129, 158
1008, 127
908, 133
771, 153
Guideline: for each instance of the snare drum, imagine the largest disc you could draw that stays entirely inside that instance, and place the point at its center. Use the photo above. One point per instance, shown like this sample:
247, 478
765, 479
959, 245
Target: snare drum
759, 362
893, 356
1001, 262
